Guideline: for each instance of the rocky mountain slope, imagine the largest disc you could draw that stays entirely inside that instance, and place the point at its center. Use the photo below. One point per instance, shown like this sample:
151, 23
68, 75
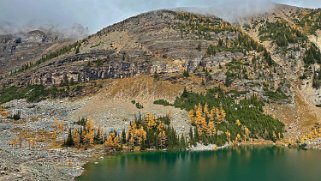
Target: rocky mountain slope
124, 68
165, 44
274, 56
291, 35
19, 49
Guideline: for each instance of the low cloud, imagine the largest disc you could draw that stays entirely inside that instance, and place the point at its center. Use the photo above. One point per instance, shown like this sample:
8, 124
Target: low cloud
16, 15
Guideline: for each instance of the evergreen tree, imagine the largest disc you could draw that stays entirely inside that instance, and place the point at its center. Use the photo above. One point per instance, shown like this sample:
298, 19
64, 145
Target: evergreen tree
196, 135
182, 143
191, 137
70, 140
123, 137
143, 145
185, 93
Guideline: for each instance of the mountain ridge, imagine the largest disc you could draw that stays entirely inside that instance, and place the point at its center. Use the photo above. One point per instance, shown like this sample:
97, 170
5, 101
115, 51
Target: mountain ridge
167, 44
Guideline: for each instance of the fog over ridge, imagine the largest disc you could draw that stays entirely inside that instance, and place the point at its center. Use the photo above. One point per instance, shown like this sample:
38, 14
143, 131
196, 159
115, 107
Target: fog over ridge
89, 16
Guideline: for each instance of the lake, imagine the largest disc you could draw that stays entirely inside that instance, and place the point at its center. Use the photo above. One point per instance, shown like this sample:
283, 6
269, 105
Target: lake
234, 164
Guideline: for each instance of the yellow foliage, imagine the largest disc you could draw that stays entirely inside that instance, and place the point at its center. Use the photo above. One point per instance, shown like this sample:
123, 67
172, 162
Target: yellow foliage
206, 112
218, 115
237, 138
213, 114
198, 111
4, 112
199, 116
228, 135
221, 116
200, 120
59, 126
76, 137
89, 132
112, 141
151, 121
238, 122
191, 116
161, 127
136, 134
246, 133
211, 128
90, 124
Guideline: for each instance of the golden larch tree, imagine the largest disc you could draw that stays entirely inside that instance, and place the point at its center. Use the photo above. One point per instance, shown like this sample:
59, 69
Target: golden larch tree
76, 137
211, 128
191, 116
89, 132
151, 121
112, 141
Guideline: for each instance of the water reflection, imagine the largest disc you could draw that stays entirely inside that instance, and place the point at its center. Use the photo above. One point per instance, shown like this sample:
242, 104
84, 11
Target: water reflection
241, 163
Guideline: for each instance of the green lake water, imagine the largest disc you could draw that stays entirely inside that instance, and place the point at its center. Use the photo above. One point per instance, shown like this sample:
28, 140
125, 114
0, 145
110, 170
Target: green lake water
235, 164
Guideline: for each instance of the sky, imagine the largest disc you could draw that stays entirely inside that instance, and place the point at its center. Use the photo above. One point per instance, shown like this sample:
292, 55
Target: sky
89, 16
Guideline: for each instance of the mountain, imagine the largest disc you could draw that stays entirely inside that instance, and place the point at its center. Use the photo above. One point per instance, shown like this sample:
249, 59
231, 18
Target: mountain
166, 79
18, 49
161, 42
274, 56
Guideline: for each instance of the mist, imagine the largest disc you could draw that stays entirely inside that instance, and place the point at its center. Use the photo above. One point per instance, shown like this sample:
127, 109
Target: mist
81, 17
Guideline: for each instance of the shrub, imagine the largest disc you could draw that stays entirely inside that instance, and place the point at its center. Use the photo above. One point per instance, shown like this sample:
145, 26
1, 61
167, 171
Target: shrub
16, 116
139, 106
81, 122
186, 73
162, 102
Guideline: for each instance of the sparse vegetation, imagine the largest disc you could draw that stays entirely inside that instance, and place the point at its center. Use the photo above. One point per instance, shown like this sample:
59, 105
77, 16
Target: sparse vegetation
50, 56
312, 55
16, 116
281, 33
311, 22
139, 105
201, 25
143, 133
162, 102
36, 93
186, 73
243, 43
277, 95
316, 80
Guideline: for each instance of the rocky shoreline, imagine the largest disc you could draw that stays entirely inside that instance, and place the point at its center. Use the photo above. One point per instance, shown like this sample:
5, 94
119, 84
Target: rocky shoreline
49, 162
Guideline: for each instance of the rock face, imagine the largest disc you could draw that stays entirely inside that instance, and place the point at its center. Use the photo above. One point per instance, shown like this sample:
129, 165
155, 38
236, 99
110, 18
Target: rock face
160, 42
18, 49
242, 56
145, 44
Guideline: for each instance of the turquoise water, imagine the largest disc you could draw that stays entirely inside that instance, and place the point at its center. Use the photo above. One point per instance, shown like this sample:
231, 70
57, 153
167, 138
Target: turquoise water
237, 164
